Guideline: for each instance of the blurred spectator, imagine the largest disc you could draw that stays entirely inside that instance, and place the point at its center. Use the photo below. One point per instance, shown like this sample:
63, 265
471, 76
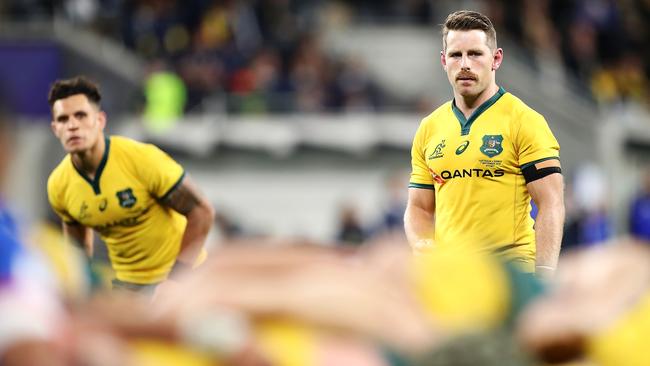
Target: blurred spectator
166, 96
640, 211
595, 227
391, 225
571, 233
591, 192
623, 81
350, 230
359, 92
81, 11
227, 227
28, 9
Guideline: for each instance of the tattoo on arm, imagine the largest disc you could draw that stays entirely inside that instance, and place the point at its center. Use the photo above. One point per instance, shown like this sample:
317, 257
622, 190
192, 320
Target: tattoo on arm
183, 199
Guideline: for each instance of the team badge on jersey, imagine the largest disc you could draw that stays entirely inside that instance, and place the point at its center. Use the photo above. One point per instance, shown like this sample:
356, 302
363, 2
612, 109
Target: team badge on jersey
126, 197
492, 145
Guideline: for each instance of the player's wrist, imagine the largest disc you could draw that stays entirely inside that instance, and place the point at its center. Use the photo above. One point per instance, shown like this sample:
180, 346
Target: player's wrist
544, 271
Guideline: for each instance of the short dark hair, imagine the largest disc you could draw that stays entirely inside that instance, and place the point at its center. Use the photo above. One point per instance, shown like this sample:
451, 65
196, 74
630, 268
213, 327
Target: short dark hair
62, 89
465, 20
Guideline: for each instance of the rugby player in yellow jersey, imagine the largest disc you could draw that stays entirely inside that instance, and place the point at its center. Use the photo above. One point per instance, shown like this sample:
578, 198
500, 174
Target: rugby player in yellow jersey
149, 213
478, 159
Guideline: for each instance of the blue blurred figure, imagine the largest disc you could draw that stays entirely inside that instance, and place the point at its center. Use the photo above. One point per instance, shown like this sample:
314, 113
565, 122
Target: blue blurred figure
594, 222
595, 228
640, 211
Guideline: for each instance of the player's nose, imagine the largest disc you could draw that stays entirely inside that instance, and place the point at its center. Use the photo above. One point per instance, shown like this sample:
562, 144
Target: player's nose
72, 124
464, 62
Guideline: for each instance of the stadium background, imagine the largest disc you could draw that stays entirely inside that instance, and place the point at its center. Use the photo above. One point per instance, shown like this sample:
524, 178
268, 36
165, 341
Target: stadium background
296, 117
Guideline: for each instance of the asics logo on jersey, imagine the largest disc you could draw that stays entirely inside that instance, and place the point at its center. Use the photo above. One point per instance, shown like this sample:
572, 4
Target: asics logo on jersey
461, 149
437, 153
103, 204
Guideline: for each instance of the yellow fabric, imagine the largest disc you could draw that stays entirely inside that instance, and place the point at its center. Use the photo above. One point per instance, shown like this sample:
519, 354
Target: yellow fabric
461, 291
67, 262
287, 343
143, 237
156, 353
625, 343
481, 197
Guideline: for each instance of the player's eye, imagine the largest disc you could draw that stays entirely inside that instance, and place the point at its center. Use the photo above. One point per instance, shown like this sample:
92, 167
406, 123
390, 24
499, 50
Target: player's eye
80, 115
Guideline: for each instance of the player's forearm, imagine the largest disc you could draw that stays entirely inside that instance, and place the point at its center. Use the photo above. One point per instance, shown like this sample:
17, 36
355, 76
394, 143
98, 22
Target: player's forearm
548, 235
199, 222
418, 225
80, 235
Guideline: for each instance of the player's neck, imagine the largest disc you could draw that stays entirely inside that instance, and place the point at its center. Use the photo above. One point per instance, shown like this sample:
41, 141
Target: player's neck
468, 104
88, 161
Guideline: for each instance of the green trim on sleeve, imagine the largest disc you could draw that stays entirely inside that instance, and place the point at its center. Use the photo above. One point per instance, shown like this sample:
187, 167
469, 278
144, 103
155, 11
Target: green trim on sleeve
524, 166
422, 186
178, 183
466, 124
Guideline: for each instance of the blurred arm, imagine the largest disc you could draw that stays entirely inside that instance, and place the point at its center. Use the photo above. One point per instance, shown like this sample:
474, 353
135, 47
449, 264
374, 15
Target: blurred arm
548, 194
188, 201
419, 217
81, 235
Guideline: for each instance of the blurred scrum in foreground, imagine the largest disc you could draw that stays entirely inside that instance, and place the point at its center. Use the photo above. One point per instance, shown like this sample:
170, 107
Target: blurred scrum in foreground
299, 304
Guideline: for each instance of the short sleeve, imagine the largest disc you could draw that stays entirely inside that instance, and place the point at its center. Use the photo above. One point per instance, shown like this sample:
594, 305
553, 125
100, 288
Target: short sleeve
56, 202
535, 140
160, 172
420, 175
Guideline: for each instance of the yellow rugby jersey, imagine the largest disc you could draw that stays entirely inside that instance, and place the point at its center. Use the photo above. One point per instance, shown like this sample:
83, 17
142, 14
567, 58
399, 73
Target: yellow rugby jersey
475, 166
121, 203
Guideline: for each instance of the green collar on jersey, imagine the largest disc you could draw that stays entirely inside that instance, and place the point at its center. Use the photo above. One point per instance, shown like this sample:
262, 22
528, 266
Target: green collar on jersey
465, 124
95, 182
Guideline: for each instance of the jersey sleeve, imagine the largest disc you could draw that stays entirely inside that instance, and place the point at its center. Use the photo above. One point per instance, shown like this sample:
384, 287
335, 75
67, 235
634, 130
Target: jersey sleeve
420, 175
536, 141
160, 172
56, 201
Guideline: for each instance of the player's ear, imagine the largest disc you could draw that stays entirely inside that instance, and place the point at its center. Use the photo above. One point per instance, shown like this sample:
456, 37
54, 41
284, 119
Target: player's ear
53, 127
497, 59
443, 60
101, 119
